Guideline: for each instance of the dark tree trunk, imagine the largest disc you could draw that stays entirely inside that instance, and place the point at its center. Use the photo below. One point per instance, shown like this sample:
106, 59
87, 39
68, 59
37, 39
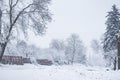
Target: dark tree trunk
73, 56
0, 21
3, 46
118, 55
115, 63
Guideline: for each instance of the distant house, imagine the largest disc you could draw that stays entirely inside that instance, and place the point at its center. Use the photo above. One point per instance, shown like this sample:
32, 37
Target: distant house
12, 60
44, 62
26, 60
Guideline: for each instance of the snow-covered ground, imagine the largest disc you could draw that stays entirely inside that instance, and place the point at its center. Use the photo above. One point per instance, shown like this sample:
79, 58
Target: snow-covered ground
64, 72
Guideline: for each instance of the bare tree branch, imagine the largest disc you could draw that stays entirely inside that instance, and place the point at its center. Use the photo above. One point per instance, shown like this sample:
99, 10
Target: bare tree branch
20, 14
10, 13
15, 3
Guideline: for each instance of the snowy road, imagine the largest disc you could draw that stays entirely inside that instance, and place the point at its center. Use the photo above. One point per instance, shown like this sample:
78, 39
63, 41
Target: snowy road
71, 72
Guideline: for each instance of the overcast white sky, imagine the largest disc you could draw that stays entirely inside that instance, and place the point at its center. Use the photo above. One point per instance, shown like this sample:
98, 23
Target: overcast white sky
84, 17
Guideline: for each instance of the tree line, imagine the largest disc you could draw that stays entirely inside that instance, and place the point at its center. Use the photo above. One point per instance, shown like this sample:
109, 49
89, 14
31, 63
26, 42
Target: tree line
69, 51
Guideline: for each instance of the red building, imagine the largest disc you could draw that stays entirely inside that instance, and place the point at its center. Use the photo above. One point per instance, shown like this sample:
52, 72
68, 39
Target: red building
19, 60
12, 60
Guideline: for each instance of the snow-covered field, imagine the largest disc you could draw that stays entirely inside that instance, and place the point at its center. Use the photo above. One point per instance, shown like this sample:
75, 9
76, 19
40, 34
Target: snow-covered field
65, 72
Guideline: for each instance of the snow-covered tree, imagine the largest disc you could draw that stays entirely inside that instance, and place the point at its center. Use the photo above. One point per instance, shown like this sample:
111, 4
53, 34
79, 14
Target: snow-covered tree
75, 51
110, 58
12, 50
26, 50
33, 51
96, 46
96, 57
22, 48
24, 15
57, 47
57, 44
113, 29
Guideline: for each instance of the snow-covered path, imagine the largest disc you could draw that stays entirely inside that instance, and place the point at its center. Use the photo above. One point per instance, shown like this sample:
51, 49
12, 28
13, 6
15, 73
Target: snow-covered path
66, 72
